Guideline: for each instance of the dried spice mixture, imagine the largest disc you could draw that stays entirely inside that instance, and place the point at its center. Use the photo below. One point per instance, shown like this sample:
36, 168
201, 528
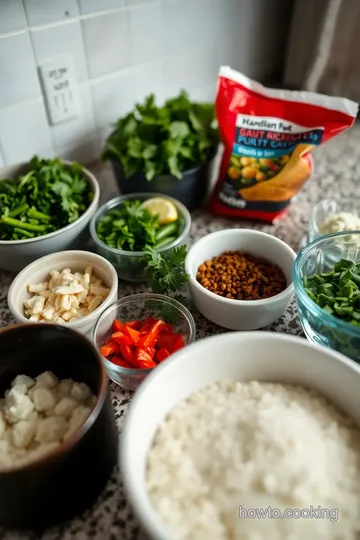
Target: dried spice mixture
241, 276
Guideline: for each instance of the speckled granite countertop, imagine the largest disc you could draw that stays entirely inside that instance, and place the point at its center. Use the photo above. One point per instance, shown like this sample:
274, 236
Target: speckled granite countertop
337, 174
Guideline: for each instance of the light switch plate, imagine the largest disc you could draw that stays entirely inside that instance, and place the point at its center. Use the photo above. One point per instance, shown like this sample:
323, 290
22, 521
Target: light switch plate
60, 88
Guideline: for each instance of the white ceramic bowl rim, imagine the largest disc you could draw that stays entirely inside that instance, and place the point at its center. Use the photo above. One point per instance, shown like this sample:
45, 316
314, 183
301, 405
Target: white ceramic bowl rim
96, 190
79, 322
138, 497
113, 203
234, 232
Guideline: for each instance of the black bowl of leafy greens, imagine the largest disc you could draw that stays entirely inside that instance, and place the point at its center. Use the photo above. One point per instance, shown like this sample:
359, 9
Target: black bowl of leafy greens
45, 207
123, 228
327, 285
168, 149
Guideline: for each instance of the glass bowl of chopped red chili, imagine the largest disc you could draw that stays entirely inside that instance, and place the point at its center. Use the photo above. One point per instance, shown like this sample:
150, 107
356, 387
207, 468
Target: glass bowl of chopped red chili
140, 331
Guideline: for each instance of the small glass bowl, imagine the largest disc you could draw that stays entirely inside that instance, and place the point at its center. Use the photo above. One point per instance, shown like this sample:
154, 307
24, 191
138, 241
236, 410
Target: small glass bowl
319, 326
140, 306
129, 264
326, 208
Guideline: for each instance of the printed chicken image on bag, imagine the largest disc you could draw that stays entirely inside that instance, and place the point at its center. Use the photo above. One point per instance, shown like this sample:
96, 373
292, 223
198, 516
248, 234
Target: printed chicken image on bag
268, 136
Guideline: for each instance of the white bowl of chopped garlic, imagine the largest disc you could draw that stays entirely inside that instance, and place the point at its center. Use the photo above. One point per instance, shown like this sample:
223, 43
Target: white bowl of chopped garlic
69, 287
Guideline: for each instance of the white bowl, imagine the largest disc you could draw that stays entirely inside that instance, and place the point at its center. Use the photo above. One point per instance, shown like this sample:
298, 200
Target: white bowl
237, 356
240, 314
16, 254
77, 261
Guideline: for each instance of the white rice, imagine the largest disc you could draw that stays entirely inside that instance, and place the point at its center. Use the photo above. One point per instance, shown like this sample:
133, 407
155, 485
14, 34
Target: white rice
255, 445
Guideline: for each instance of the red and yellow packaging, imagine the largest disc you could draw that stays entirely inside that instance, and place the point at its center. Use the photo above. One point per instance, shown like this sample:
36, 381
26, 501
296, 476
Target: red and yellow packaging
268, 136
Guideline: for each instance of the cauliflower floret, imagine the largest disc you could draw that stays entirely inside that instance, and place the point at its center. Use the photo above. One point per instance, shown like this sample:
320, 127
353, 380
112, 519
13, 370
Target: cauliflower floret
64, 388
44, 399
23, 380
24, 431
51, 429
65, 407
18, 406
78, 418
81, 392
2, 424
47, 379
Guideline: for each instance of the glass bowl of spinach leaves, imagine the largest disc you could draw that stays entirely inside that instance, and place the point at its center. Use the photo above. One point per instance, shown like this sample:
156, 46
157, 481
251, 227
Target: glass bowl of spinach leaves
327, 284
122, 228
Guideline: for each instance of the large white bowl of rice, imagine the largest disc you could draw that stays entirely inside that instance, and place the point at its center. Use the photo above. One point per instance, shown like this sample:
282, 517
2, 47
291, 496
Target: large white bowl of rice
246, 436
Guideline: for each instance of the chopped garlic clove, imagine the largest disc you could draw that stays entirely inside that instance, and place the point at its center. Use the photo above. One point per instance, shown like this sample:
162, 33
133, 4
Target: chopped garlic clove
65, 302
36, 288
73, 288
95, 303
48, 313
38, 305
99, 291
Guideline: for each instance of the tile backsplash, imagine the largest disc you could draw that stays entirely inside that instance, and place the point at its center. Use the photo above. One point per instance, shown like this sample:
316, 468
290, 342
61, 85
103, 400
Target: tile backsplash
122, 50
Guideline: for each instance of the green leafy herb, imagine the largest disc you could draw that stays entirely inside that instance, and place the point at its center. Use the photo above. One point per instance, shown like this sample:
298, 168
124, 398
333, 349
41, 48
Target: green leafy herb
48, 197
131, 227
167, 275
166, 272
164, 140
337, 291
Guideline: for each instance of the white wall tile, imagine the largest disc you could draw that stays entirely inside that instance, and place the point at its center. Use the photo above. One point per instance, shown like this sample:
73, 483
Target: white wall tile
146, 30
46, 11
189, 24
148, 78
93, 6
62, 40
18, 77
24, 132
83, 152
107, 43
190, 72
137, 2
11, 16
76, 131
112, 99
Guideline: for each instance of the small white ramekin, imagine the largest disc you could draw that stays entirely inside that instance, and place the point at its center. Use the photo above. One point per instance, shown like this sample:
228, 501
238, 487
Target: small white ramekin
77, 261
240, 314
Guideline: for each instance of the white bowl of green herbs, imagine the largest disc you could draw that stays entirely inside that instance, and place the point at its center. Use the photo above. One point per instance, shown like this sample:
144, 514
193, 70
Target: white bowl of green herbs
123, 232
45, 207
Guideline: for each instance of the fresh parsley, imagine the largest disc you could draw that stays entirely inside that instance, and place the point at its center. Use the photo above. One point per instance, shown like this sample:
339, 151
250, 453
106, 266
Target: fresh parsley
166, 272
48, 197
170, 139
131, 227
167, 276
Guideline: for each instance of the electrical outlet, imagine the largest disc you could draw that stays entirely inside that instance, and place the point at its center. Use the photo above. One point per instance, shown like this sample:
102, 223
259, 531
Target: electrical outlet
61, 91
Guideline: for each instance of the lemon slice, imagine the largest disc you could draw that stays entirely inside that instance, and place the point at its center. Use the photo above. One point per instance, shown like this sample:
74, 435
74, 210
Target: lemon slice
163, 208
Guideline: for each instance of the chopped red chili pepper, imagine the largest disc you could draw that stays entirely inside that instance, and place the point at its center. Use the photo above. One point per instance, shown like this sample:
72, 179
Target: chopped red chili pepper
179, 344
109, 348
148, 339
144, 358
121, 338
117, 360
133, 334
128, 353
162, 353
134, 324
141, 345
167, 340
148, 323
118, 326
